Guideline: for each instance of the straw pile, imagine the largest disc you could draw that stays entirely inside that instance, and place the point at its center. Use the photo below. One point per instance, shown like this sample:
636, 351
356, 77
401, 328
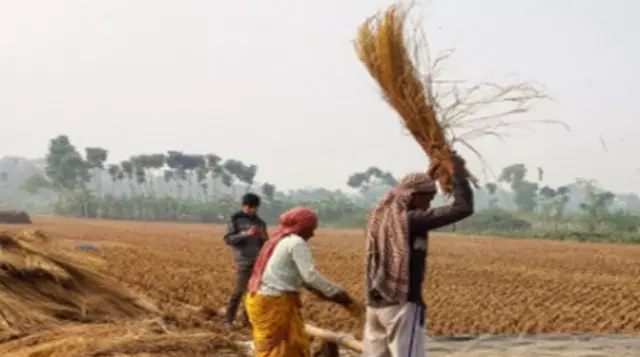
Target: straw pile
41, 288
14, 217
148, 338
54, 303
380, 45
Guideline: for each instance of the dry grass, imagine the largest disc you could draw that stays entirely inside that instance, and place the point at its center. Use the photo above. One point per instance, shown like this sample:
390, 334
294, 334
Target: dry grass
380, 45
42, 288
474, 286
437, 113
55, 304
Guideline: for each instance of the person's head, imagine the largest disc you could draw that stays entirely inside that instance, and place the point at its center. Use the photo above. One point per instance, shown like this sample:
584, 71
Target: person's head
301, 221
421, 200
420, 190
250, 203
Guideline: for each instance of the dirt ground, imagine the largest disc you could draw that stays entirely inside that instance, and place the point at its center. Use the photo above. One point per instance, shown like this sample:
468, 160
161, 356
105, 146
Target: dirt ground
475, 286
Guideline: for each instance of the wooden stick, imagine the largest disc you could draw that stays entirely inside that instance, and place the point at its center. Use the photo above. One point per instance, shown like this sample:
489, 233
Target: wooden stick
339, 338
328, 335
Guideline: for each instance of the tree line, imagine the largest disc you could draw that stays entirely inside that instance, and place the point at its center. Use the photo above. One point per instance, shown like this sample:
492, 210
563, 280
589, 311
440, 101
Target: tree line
177, 186
173, 186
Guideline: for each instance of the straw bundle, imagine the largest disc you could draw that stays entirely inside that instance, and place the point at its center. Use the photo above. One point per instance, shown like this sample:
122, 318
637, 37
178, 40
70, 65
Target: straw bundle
393, 58
41, 288
381, 47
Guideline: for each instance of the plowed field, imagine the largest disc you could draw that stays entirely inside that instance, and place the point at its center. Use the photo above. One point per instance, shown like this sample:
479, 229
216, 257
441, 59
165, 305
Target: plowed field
474, 285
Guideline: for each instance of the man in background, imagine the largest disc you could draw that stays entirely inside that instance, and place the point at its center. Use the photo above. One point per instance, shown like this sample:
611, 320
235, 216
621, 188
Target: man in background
246, 234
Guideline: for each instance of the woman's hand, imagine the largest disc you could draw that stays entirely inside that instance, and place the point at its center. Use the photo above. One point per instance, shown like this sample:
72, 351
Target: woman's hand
342, 298
355, 308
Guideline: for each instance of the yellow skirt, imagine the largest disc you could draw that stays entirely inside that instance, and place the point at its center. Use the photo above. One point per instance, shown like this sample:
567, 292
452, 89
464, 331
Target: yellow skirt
278, 328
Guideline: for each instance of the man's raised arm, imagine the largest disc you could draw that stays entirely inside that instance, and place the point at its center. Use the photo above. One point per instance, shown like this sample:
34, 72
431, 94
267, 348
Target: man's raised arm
459, 209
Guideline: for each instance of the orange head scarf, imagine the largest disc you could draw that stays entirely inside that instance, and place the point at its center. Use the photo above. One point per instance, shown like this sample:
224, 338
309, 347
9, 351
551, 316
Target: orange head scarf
293, 221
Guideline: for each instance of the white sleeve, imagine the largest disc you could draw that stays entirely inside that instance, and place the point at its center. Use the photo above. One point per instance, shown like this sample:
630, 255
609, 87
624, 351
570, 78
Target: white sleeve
301, 254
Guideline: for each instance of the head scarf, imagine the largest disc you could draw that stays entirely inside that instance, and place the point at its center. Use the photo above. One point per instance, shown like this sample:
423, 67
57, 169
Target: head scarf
293, 221
387, 241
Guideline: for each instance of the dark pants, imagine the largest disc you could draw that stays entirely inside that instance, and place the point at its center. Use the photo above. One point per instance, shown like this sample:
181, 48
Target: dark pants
243, 273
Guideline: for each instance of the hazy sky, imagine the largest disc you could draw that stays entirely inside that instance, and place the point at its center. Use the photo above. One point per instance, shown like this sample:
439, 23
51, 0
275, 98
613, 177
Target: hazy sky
277, 83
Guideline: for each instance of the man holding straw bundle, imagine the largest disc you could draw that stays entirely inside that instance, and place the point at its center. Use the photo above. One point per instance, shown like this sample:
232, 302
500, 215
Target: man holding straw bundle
396, 251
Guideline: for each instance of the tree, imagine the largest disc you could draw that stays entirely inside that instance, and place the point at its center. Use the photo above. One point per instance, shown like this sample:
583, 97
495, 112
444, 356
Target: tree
168, 176
562, 193
525, 192
154, 162
547, 192
373, 176
33, 184
513, 174
525, 196
248, 175
491, 189
241, 172
548, 201
114, 171
596, 203
201, 176
66, 171
214, 168
140, 167
96, 157
268, 191
65, 167
190, 164
175, 162
126, 167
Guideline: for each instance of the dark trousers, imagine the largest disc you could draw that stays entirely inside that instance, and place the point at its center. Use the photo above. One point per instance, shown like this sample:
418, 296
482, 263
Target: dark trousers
243, 273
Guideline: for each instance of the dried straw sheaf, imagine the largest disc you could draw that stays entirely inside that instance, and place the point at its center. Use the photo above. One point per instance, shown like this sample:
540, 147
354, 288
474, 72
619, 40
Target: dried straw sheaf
393, 59
41, 289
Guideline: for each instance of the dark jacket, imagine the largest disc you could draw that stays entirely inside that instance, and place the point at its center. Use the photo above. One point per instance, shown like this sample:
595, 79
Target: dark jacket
245, 247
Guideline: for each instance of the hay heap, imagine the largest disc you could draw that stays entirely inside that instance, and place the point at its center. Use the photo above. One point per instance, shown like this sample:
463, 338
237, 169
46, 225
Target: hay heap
14, 217
54, 303
380, 45
41, 289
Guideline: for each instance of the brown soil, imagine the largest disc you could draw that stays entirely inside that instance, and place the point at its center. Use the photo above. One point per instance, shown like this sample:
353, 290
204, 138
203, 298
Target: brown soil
474, 286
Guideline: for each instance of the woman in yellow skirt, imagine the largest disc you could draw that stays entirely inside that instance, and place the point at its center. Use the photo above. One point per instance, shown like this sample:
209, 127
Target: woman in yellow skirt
282, 269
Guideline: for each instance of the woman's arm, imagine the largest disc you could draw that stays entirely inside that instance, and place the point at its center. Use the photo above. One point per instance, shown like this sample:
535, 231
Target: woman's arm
313, 280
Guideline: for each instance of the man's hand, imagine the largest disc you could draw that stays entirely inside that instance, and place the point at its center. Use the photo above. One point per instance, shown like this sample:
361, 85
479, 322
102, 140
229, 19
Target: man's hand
455, 165
257, 231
